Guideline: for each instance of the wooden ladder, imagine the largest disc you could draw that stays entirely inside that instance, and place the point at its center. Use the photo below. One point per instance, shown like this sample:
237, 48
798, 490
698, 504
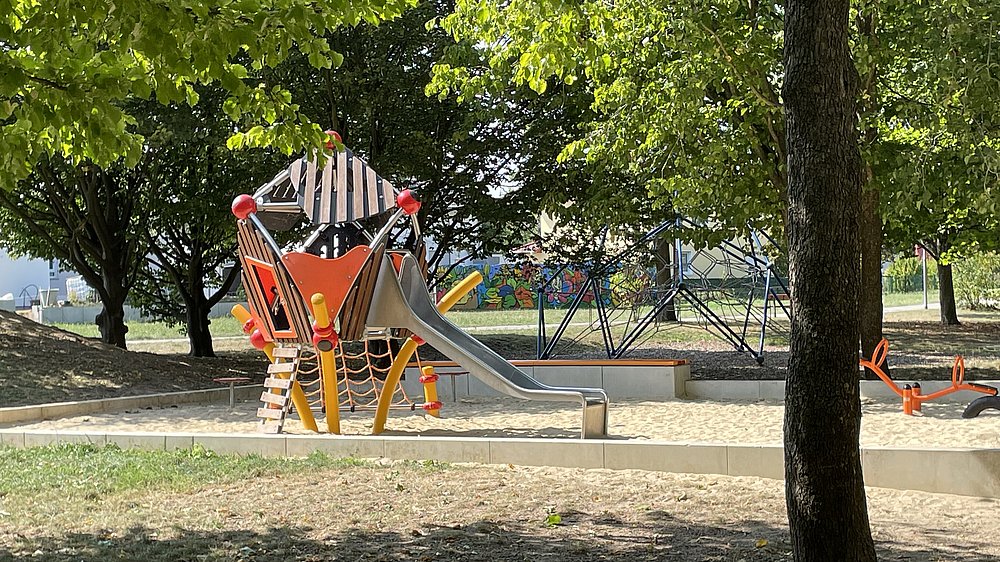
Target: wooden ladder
277, 395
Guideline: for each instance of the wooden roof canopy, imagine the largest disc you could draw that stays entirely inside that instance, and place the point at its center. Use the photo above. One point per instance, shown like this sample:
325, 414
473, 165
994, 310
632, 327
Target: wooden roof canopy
346, 189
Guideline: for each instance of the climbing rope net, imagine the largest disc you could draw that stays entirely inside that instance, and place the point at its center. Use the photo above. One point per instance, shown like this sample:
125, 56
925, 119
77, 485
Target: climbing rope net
362, 367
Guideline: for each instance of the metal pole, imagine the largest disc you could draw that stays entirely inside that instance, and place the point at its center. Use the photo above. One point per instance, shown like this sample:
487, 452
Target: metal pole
923, 261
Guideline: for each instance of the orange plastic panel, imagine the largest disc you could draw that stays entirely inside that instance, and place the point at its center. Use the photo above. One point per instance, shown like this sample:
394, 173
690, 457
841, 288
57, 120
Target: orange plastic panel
262, 283
332, 277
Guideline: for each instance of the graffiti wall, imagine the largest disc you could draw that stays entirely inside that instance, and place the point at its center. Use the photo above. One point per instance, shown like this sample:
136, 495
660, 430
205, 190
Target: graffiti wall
514, 286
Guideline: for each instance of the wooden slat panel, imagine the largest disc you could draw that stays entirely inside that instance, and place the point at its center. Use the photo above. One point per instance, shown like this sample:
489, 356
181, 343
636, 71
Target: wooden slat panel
389, 193
270, 427
309, 191
326, 193
284, 384
341, 215
273, 399
285, 352
298, 317
273, 413
371, 191
358, 206
249, 248
355, 312
295, 176
281, 367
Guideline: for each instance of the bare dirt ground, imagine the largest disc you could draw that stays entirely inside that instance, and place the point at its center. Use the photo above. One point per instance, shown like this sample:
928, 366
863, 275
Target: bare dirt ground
406, 511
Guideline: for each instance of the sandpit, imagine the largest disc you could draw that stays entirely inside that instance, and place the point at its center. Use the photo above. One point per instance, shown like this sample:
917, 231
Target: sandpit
939, 425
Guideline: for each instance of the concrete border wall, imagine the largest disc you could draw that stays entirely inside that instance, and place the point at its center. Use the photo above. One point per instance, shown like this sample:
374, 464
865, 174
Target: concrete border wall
968, 472
653, 382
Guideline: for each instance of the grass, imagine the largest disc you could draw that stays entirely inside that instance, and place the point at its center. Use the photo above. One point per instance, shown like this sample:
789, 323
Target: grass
220, 327
907, 299
89, 472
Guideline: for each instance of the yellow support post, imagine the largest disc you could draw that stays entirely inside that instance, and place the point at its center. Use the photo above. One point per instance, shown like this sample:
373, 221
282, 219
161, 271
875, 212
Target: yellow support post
391, 380
410, 346
327, 366
298, 395
429, 379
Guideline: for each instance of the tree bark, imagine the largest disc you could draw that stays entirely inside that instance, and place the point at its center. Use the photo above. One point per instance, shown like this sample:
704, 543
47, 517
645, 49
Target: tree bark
111, 320
946, 295
666, 275
199, 336
871, 275
827, 511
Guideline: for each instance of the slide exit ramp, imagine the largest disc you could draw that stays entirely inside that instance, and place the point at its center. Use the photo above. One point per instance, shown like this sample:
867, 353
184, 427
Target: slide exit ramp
405, 302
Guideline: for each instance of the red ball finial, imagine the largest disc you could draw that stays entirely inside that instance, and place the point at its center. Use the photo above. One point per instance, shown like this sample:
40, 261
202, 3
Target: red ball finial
336, 137
407, 202
257, 340
244, 206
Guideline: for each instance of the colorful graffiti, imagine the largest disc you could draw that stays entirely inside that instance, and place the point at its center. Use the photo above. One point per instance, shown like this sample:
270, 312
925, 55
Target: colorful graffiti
512, 286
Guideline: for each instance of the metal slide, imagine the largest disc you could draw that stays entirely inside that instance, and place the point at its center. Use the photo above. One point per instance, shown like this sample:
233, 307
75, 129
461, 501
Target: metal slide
406, 303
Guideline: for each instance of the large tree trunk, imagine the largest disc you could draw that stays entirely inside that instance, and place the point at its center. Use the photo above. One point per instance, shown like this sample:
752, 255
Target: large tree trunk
946, 294
827, 511
871, 275
198, 332
111, 320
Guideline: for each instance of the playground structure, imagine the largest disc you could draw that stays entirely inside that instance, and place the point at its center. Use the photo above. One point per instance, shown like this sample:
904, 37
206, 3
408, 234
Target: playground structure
913, 398
733, 290
330, 311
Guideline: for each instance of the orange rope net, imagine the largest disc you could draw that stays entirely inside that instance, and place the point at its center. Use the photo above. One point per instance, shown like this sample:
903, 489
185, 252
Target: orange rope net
360, 375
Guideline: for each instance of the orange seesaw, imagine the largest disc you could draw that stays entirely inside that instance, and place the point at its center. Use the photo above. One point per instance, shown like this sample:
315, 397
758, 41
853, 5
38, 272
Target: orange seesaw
913, 398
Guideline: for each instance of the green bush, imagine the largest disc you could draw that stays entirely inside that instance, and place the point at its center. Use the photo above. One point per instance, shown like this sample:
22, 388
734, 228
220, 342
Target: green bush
904, 275
977, 282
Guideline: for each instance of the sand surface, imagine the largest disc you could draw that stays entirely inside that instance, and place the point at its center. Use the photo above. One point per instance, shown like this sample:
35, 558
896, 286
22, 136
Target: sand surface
939, 425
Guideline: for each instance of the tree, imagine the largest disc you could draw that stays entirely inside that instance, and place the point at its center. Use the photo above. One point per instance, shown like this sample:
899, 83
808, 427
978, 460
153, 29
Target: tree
191, 178
66, 66
85, 216
939, 163
686, 98
825, 495
686, 104
478, 167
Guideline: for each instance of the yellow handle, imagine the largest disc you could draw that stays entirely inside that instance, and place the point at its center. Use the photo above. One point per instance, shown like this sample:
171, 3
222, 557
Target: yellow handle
410, 346
458, 291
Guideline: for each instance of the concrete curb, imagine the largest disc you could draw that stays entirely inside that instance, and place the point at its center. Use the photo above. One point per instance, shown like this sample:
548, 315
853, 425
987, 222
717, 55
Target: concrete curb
775, 390
967, 472
84, 407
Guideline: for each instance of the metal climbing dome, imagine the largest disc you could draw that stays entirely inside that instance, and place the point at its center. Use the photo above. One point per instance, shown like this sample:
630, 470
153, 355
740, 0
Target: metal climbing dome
735, 290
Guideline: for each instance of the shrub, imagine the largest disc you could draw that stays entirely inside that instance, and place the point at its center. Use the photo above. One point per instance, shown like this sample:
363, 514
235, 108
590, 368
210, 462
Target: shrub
903, 275
977, 282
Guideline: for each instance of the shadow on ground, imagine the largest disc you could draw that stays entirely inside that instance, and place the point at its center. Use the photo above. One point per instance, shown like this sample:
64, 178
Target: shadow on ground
579, 537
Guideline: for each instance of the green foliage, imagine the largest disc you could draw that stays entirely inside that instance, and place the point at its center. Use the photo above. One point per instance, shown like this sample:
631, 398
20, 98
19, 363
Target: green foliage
937, 162
977, 282
904, 275
66, 66
685, 98
190, 179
